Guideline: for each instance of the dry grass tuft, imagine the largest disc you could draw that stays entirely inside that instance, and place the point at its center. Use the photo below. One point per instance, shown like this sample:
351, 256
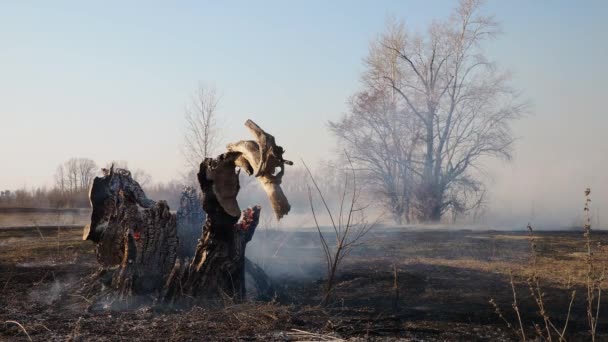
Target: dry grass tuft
593, 281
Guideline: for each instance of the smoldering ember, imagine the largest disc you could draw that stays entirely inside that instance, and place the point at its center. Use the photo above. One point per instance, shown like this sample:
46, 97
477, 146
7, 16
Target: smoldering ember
303, 171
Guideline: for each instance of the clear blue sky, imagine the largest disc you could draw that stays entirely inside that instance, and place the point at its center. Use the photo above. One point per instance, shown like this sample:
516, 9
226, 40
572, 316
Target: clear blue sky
109, 80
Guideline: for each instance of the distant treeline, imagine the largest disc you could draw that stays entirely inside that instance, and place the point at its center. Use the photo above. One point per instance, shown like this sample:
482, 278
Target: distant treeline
30, 210
57, 198
74, 178
43, 198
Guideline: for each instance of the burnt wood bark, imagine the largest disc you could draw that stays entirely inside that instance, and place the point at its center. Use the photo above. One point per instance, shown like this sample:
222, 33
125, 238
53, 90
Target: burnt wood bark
150, 251
218, 267
138, 240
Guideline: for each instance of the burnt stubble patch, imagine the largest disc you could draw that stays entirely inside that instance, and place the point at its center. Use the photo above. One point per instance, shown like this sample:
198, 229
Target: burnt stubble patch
444, 280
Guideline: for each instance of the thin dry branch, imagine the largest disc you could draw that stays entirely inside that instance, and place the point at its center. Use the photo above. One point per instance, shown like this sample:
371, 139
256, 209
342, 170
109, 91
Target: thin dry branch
20, 326
516, 306
348, 233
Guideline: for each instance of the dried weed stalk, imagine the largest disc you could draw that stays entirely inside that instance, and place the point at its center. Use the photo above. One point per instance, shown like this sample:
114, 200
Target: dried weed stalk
348, 230
548, 330
594, 277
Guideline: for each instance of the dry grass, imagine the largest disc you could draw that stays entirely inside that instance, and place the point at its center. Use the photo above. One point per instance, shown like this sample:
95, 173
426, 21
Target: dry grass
444, 280
570, 269
50, 245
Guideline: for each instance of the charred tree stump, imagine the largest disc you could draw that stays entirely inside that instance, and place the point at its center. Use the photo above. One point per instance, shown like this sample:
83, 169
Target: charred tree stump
150, 250
218, 267
138, 240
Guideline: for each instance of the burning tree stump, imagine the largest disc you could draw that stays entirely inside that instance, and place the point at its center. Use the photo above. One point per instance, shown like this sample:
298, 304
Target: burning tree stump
150, 251
137, 239
218, 267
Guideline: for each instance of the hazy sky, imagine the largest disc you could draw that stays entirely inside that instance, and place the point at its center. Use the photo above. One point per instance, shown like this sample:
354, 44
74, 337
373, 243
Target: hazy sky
110, 80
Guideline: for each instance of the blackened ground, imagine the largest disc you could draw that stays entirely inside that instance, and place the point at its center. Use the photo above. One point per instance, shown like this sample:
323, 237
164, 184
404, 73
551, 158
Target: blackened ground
445, 281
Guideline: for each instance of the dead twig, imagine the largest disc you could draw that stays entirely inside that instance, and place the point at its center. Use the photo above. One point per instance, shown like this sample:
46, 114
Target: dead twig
516, 306
83, 297
76, 331
568, 316
20, 326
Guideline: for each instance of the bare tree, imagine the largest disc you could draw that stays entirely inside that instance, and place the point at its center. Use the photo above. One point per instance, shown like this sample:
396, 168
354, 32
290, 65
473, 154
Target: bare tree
201, 133
460, 104
381, 141
349, 226
71, 173
75, 175
60, 178
72, 181
86, 172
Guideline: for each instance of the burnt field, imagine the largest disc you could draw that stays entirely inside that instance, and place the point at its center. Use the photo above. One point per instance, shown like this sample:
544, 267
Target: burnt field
20, 217
444, 282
